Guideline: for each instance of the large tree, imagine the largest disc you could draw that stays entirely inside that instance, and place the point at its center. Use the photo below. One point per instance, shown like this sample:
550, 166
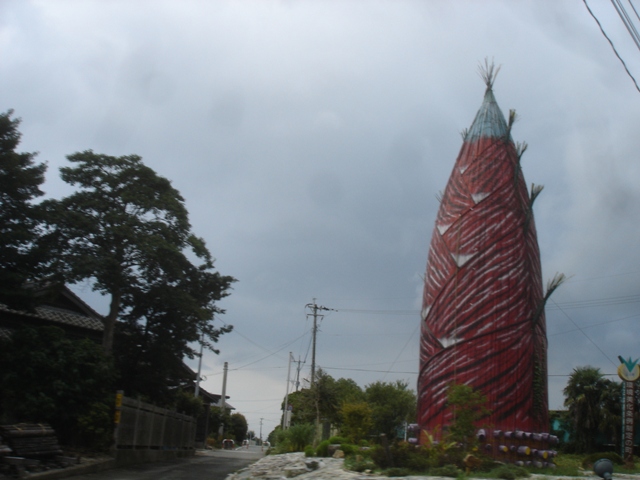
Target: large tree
127, 230
20, 181
393, 404
589, 398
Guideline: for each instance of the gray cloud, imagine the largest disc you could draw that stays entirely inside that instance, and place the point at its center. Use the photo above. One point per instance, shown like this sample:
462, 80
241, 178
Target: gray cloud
310, 140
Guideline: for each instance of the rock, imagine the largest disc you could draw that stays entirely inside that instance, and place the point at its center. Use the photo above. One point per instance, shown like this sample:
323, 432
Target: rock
338, 454
295, 470
333, 448
312, 464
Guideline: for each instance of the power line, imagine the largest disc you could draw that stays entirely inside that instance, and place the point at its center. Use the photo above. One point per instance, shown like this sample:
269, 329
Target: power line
624, 16
612, 45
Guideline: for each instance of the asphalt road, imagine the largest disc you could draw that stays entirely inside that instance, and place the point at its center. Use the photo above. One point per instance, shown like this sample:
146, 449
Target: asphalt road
209, 465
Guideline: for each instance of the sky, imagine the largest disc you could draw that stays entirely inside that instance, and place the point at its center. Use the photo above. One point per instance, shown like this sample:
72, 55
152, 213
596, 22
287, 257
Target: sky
311, 139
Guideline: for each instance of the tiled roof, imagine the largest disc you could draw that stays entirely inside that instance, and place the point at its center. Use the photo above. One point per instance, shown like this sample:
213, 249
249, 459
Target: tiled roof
59, 315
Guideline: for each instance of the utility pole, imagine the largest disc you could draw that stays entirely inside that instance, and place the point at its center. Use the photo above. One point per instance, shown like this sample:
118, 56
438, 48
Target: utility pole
315, 308
223, 399
298, 373
285, 424
197, 391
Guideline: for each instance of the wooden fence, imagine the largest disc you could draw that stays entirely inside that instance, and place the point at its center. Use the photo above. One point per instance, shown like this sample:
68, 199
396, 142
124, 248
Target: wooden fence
140, 426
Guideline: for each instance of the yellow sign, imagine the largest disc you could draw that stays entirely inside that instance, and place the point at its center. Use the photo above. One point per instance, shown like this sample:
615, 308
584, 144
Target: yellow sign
629, 375
118, 400
116, 417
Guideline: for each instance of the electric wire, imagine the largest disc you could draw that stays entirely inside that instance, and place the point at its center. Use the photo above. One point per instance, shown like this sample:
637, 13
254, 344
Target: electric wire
587, 336
634, 10
612, 45
624, 16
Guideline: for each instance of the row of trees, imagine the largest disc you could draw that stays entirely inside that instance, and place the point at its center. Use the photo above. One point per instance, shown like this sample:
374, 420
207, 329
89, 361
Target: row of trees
125, 230
379, 408
593, 415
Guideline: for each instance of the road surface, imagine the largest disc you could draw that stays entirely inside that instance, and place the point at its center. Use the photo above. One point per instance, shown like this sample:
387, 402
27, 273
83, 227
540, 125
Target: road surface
209, 465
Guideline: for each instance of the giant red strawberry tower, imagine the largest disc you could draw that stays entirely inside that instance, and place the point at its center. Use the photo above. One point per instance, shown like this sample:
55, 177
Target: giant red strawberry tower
483, 321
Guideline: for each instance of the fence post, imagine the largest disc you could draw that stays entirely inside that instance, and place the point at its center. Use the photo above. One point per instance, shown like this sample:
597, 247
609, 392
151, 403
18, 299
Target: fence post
116, 419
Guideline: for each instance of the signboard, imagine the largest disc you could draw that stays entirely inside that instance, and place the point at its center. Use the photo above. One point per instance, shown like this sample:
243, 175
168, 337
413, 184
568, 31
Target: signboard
629, 372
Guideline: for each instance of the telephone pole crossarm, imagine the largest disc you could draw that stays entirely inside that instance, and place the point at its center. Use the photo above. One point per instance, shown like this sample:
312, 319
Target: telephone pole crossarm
315, 308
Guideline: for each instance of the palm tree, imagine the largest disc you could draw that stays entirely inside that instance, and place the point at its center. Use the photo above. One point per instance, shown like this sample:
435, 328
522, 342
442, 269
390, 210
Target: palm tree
591, 402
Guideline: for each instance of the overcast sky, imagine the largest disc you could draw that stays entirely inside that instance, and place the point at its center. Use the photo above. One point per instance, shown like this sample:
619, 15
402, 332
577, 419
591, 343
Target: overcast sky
310, 140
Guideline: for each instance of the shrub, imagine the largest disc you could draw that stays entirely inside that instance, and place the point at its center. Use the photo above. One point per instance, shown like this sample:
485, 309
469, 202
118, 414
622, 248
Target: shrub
309, 451
348, 449
510, 472
397, 472
505, 473
337, 440
446, 471
381, 457
323, 449
361, 465
589, 460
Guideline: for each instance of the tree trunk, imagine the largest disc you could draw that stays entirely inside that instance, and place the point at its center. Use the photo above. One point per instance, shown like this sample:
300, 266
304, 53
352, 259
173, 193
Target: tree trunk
110, 323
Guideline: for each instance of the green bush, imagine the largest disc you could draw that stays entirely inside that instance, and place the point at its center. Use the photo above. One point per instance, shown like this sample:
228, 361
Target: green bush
446, 471
380, 457
322, 449
337, 440
397, 472
361, 465
348, 449
589, 460
510, 472
505, 473
309, 451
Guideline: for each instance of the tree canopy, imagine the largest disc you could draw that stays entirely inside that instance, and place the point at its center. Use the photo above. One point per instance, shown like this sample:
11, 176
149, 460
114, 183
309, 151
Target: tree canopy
593, 403
127, 230
20, 181
393, 404
380, 408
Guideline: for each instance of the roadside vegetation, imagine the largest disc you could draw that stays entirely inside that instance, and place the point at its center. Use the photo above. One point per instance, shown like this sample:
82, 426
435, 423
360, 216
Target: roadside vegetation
366, 447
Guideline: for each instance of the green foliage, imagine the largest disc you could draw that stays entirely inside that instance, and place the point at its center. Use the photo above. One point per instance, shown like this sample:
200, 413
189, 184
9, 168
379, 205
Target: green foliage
238, 426
188, 404
338, 440
397, 472
450, 470
309, 451
127, 230
348, 448
299, 436
322, 450
359, 464
381, 456
217, 419
294, 439
356, 420
20, 219
594, 406
589, 460
469, 407
95, 427
47, 377
392, 404
510, 472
